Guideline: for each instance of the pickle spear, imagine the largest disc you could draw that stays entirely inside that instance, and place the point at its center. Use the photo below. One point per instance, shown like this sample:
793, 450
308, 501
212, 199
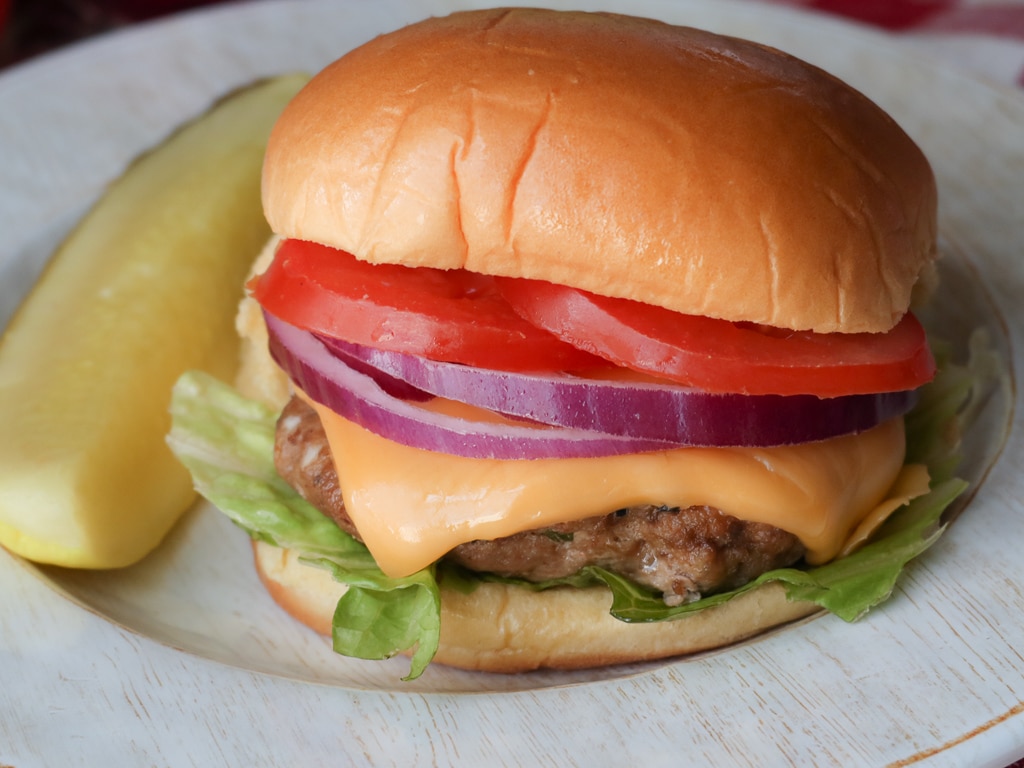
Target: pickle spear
144, 288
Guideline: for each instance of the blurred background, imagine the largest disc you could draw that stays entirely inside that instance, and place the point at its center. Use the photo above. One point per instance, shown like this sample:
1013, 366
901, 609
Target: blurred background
31, 27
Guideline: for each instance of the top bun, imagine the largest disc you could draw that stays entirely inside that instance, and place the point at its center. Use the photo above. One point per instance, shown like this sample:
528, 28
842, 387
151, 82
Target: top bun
624, 156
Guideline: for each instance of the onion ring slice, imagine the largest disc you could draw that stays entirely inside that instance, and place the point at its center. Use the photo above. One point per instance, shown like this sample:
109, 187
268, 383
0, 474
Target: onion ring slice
356, 396
663, 412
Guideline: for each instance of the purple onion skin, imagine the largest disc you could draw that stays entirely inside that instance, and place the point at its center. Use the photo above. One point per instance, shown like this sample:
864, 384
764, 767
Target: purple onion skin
660, 412
358, 397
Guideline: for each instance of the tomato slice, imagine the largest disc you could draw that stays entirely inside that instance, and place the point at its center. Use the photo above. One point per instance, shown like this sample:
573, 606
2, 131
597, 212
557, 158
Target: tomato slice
722, 356
529, 325
449, 315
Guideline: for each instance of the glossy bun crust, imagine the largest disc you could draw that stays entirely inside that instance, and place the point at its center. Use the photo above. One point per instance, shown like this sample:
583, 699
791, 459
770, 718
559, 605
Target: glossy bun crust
624, 156
503, 628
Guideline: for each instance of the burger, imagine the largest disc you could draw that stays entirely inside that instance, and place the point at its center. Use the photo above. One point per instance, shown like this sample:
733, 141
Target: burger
583, 339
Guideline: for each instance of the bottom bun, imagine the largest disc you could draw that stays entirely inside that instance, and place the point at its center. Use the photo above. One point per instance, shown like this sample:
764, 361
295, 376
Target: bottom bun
504, 628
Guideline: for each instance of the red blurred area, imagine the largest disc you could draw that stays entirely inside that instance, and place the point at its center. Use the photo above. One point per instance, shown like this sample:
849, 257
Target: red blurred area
888, 14
31, 27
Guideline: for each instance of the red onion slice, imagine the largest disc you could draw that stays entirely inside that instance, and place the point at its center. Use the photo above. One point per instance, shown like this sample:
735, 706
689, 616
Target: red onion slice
650, 411
359, 398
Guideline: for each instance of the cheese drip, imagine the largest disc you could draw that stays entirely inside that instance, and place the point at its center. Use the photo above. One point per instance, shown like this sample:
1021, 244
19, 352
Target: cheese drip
412, 506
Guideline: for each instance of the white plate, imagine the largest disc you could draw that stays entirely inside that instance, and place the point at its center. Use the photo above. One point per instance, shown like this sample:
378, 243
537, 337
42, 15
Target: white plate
187, 644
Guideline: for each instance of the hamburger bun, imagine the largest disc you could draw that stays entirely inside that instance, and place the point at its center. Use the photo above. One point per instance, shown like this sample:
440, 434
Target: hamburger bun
735, 181
623, 156
504, 628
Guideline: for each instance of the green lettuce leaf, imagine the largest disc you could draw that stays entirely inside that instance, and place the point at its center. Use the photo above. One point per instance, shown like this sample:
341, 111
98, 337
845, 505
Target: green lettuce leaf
226, 441
848, 587
851, 586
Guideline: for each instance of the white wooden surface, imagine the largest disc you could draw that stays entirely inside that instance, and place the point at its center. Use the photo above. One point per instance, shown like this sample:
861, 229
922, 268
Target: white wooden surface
183, 662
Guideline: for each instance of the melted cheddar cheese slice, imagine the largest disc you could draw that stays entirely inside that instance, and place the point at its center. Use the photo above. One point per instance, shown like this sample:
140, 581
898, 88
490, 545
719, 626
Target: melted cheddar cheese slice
412, 506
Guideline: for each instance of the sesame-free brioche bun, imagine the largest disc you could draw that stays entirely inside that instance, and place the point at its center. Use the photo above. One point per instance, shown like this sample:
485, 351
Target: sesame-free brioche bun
624, 156
504, 628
